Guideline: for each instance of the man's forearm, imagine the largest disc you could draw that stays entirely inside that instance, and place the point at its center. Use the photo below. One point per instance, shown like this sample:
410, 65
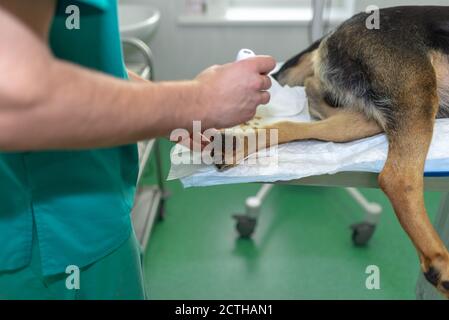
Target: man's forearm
85, 109
46, 103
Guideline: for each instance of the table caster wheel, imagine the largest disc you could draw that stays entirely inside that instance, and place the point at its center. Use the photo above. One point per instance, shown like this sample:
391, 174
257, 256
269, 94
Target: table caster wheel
362, 233
245, 225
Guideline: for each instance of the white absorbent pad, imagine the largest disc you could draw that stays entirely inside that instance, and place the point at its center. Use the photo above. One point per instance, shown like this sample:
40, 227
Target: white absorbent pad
302, 159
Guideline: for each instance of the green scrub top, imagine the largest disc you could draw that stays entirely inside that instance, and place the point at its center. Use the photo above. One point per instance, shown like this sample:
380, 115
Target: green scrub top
80, 201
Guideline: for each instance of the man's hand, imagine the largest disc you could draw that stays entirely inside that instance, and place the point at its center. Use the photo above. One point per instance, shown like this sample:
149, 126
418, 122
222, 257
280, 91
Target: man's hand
230, 94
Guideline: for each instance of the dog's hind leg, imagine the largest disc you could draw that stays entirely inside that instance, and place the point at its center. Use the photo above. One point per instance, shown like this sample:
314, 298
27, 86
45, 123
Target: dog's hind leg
402, 181
343, 126
337, 125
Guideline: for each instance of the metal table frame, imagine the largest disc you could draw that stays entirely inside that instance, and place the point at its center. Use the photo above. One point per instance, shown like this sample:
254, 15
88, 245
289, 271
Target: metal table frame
364, 180
149, 203
150, 200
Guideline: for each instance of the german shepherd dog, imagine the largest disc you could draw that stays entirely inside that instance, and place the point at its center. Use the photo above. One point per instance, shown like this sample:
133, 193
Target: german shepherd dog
394, 80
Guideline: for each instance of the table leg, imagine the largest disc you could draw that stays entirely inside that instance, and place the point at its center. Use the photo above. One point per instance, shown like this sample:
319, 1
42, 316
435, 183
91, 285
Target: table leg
424, 290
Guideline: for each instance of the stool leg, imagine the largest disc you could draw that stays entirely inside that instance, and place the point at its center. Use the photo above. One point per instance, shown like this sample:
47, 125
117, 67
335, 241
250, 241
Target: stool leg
363, 232
246, 223
373, 210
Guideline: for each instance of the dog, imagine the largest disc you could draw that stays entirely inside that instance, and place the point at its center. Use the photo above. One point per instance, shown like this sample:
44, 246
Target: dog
361, 82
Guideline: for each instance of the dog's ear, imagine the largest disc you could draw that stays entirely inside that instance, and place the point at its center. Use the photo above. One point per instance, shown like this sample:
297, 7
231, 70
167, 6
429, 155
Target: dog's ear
287, 65
293, 62
440, 35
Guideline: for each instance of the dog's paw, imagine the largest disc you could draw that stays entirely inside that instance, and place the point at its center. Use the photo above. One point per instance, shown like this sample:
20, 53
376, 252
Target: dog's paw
231, 150
237, 144
437, 273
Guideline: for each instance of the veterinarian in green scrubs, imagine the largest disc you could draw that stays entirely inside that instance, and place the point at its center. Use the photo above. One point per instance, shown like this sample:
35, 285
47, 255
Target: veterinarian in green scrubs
72, 208
65, 225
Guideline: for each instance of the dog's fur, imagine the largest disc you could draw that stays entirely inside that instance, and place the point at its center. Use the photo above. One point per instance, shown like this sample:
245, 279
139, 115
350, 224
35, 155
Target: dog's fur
395, 79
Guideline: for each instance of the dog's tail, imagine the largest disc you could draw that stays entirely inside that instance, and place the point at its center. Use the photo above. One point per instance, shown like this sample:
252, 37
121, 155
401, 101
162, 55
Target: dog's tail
440, 35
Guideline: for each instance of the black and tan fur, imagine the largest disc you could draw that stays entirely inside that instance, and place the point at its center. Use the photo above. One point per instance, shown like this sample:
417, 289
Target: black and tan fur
395, 80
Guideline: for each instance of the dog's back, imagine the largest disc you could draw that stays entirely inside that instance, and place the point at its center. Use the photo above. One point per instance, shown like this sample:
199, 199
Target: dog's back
358, 64
439, 34
361, 66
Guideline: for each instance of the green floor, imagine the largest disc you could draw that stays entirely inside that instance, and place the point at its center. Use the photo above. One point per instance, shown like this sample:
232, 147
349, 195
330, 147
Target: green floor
301, 249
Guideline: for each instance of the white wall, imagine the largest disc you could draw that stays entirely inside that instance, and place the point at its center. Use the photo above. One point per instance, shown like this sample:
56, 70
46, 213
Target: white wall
182, 52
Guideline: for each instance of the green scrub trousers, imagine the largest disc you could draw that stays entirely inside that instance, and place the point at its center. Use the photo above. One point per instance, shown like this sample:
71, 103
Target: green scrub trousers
118, 276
